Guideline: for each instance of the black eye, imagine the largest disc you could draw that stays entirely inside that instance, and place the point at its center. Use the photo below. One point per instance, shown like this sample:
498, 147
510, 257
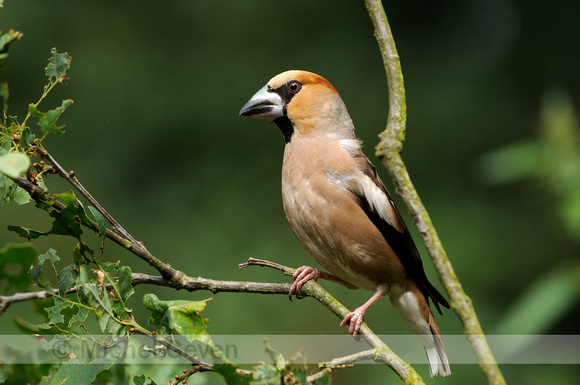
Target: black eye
294, 86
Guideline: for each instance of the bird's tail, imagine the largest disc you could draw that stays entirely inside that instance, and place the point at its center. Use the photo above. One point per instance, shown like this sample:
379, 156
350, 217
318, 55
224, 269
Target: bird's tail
414, 309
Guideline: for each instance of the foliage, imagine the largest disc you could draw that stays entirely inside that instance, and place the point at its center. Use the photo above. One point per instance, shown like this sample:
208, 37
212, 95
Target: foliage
90, 289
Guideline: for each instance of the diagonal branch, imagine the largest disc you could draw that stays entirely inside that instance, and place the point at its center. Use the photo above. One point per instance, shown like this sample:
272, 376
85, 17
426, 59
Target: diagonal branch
389, 151
38, 194
381, 352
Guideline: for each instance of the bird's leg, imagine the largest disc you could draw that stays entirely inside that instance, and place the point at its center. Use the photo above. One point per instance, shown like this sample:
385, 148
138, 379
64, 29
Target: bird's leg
304, 274
356, 317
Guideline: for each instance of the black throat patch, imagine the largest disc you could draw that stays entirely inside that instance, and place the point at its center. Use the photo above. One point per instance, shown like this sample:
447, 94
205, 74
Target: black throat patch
286, 127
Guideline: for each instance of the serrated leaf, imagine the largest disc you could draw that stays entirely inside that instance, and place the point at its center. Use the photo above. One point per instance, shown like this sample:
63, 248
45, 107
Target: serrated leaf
54, 312
59, 344
36, 270
13, 164
80, 316
69, 220
67, 279
181, 317
47, 120
58, 64
66, 222
100, 220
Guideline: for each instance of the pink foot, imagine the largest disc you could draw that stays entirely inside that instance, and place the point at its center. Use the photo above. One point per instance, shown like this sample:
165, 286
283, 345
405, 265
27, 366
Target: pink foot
302, 275
356, 320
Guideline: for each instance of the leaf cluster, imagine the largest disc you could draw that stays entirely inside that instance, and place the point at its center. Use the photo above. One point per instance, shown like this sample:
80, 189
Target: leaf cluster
88, 299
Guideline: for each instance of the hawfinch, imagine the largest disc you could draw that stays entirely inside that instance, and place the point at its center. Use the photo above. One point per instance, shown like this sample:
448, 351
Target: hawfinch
340, 210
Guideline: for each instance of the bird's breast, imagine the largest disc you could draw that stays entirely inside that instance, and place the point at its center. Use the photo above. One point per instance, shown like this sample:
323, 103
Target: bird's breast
327, 218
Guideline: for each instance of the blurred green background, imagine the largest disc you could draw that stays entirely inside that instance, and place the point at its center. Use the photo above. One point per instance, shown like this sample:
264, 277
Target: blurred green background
154, 134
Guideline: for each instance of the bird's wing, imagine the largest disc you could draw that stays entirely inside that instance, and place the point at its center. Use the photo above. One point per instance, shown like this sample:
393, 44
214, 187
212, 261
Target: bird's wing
377, 203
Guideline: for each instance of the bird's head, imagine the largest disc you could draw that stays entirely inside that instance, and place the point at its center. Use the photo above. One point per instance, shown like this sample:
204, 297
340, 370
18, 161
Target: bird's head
301, 103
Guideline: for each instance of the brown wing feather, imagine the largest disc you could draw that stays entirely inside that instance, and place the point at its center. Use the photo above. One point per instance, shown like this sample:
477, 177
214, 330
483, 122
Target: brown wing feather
398, 236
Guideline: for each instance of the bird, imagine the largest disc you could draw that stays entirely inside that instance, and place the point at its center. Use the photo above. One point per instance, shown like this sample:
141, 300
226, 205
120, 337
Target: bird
340, 210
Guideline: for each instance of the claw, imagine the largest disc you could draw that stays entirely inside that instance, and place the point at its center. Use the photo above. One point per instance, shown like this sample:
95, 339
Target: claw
356, 319
302, 275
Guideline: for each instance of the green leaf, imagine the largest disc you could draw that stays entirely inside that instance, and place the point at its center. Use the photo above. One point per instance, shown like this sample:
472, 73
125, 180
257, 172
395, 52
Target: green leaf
13, 164
59, 345
228, 372
266, 375
27, 138
7, 38
100, 301
21, 196
124, 283
25, 232
100, 220
57, 66
71, 373
143, 380
80, 316
68, 221
47, 121
11, 193
82, 253
36, 270
15, 260
54, 312
181, 317
67, 279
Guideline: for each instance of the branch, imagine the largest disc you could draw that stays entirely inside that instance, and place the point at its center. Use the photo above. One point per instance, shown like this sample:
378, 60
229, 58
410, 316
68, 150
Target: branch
381, 352
187, 283
72, 179
178, 280
389, 152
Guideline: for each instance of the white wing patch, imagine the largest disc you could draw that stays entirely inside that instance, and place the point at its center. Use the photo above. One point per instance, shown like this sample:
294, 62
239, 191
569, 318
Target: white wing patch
353, 146
377, 199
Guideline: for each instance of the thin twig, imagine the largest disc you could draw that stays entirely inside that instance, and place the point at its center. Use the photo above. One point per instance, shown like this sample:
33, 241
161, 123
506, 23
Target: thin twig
70, 177
38, 194
340, 363
389, 151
